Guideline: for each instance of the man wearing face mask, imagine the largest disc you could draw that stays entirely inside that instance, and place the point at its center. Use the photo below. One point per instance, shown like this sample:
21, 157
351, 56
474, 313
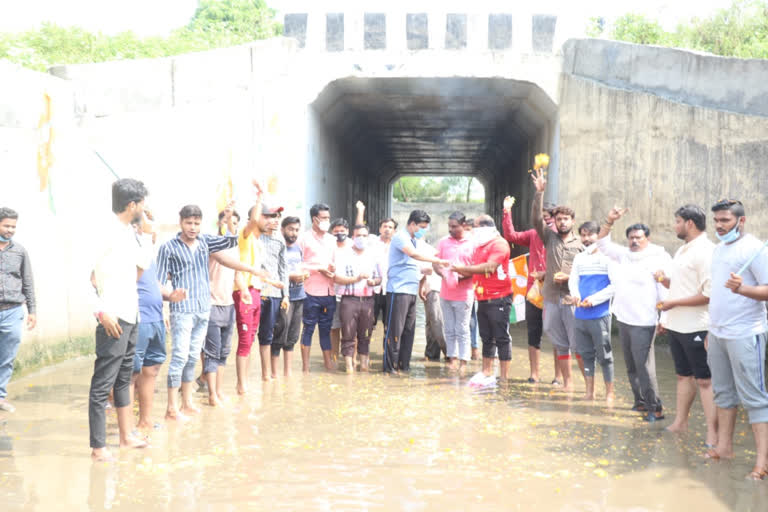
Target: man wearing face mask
318, 248
402, 288
490, 274
288, 325
356, 276
340, 231
737, 332
637, 295
562, 246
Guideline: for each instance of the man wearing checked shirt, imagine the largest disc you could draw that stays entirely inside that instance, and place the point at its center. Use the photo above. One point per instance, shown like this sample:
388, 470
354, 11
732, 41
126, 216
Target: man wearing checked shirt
184, 260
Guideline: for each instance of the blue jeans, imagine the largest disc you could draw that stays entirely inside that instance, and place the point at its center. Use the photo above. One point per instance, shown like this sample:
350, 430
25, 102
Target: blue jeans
11, 321
318, 311
270, 307
188, 332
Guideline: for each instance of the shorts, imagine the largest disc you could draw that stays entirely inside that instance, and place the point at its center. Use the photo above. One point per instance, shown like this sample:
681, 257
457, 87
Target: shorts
558, 323
150, 345
689, 354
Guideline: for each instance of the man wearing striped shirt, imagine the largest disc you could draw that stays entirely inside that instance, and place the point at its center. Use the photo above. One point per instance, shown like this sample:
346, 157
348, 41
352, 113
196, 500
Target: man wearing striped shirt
274, 292
591, 291
184, 260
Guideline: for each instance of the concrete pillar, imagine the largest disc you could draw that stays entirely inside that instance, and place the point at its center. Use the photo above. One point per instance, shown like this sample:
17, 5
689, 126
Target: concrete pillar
436, 30
316, 31
396, 38
477, 31
354, 30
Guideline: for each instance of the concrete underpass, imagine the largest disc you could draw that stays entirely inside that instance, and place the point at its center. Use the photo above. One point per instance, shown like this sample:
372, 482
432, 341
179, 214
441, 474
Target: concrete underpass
385, 128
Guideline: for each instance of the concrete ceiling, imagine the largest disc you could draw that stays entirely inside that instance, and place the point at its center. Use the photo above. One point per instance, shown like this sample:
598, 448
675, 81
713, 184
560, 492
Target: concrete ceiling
433, 125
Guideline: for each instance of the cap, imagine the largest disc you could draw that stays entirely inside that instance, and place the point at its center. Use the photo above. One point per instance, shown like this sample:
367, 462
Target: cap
267, 210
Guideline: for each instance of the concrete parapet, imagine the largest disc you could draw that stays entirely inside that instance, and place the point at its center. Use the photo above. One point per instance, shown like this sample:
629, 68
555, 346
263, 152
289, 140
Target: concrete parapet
722, 83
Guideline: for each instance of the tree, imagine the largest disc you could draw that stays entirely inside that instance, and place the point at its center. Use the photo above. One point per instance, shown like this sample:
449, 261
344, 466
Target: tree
248, 18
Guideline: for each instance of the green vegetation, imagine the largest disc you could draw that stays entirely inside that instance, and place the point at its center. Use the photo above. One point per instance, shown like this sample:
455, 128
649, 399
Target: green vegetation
740, 30
437, 189
33, 356
215, 24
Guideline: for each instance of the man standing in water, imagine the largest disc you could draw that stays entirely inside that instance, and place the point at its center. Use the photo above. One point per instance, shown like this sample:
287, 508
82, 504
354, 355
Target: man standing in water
637, 295
685, 317
493, 288
562, 246
537, 266
402, 288
288, 326
318, 248
737, 332
119, 262
591, 292
16, 288
184, 260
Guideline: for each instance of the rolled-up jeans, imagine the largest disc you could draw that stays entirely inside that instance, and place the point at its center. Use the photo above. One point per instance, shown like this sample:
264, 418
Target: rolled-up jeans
456, 315
188, 332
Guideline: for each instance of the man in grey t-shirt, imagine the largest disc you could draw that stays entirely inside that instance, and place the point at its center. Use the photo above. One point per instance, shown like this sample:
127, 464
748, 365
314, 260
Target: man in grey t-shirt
737, 331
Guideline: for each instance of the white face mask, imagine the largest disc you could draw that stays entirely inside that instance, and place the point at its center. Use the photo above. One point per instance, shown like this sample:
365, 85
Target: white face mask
360, 242
324, 225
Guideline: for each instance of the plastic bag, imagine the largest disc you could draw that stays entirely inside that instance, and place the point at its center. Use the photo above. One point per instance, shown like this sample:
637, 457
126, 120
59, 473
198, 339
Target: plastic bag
534, 295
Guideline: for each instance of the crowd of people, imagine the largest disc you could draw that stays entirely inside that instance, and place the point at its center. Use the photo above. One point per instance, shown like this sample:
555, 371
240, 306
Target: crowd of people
266, 279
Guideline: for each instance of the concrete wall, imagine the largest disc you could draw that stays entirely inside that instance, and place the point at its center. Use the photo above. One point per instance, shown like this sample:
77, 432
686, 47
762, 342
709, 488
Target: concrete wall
652, 155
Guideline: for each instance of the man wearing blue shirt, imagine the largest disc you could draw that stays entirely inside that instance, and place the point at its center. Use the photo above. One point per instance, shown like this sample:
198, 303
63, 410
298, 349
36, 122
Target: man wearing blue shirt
403, 279
184, 260
591, 291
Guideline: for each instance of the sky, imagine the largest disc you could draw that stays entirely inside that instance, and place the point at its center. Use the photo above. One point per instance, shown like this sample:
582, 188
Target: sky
158, 17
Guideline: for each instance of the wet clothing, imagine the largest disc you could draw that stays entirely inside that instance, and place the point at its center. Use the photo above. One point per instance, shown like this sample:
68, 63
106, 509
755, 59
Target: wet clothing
689, 354
637, 342
738, 374
218, 339
356, 314
593, 343
400, 328
434, 327
247, 317
493, 323
112, 371
288, 327
150, 345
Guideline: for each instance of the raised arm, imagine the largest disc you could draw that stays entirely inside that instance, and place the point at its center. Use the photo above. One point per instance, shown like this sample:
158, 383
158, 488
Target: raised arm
251, 226
360, 217
508, 228
613, 215
540, 184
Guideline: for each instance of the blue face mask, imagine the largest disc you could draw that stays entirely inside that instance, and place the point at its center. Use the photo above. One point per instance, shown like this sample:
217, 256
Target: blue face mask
420, 233
3, 239
730, 236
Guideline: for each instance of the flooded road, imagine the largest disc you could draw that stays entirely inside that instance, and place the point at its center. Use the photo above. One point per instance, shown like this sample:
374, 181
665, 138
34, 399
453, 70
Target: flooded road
370, 442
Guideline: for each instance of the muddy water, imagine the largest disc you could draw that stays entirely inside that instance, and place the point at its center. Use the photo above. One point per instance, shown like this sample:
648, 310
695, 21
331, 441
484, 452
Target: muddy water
370, 442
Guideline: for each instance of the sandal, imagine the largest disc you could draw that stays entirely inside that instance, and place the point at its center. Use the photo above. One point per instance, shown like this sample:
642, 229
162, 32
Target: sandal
711, 454
757, 474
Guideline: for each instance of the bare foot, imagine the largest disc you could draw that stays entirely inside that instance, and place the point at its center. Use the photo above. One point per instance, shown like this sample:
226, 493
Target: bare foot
242, 390
143, 425
677, 427
717, 453
589, 398
132, 441
176, 416
222, 398
213, 401
609, 398
189, 410
101, 455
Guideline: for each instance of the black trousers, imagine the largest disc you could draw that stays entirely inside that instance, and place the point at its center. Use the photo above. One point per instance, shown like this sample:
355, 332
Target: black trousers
401, 326
380, 304
111, 370
493, 324
535, 324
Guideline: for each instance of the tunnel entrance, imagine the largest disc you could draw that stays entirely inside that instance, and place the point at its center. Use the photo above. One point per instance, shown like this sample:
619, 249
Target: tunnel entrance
368, 132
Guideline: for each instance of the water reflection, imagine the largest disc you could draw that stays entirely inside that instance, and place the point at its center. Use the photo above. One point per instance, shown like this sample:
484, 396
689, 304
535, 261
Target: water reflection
372, 442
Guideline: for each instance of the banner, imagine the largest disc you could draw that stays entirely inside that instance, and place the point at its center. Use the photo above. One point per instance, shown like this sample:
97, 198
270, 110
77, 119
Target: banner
518, 270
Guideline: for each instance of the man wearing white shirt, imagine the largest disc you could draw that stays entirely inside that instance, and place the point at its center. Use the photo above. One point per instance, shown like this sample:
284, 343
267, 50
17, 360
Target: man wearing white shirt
737, 327
685, 317
635, 306
591, 291
119, 262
